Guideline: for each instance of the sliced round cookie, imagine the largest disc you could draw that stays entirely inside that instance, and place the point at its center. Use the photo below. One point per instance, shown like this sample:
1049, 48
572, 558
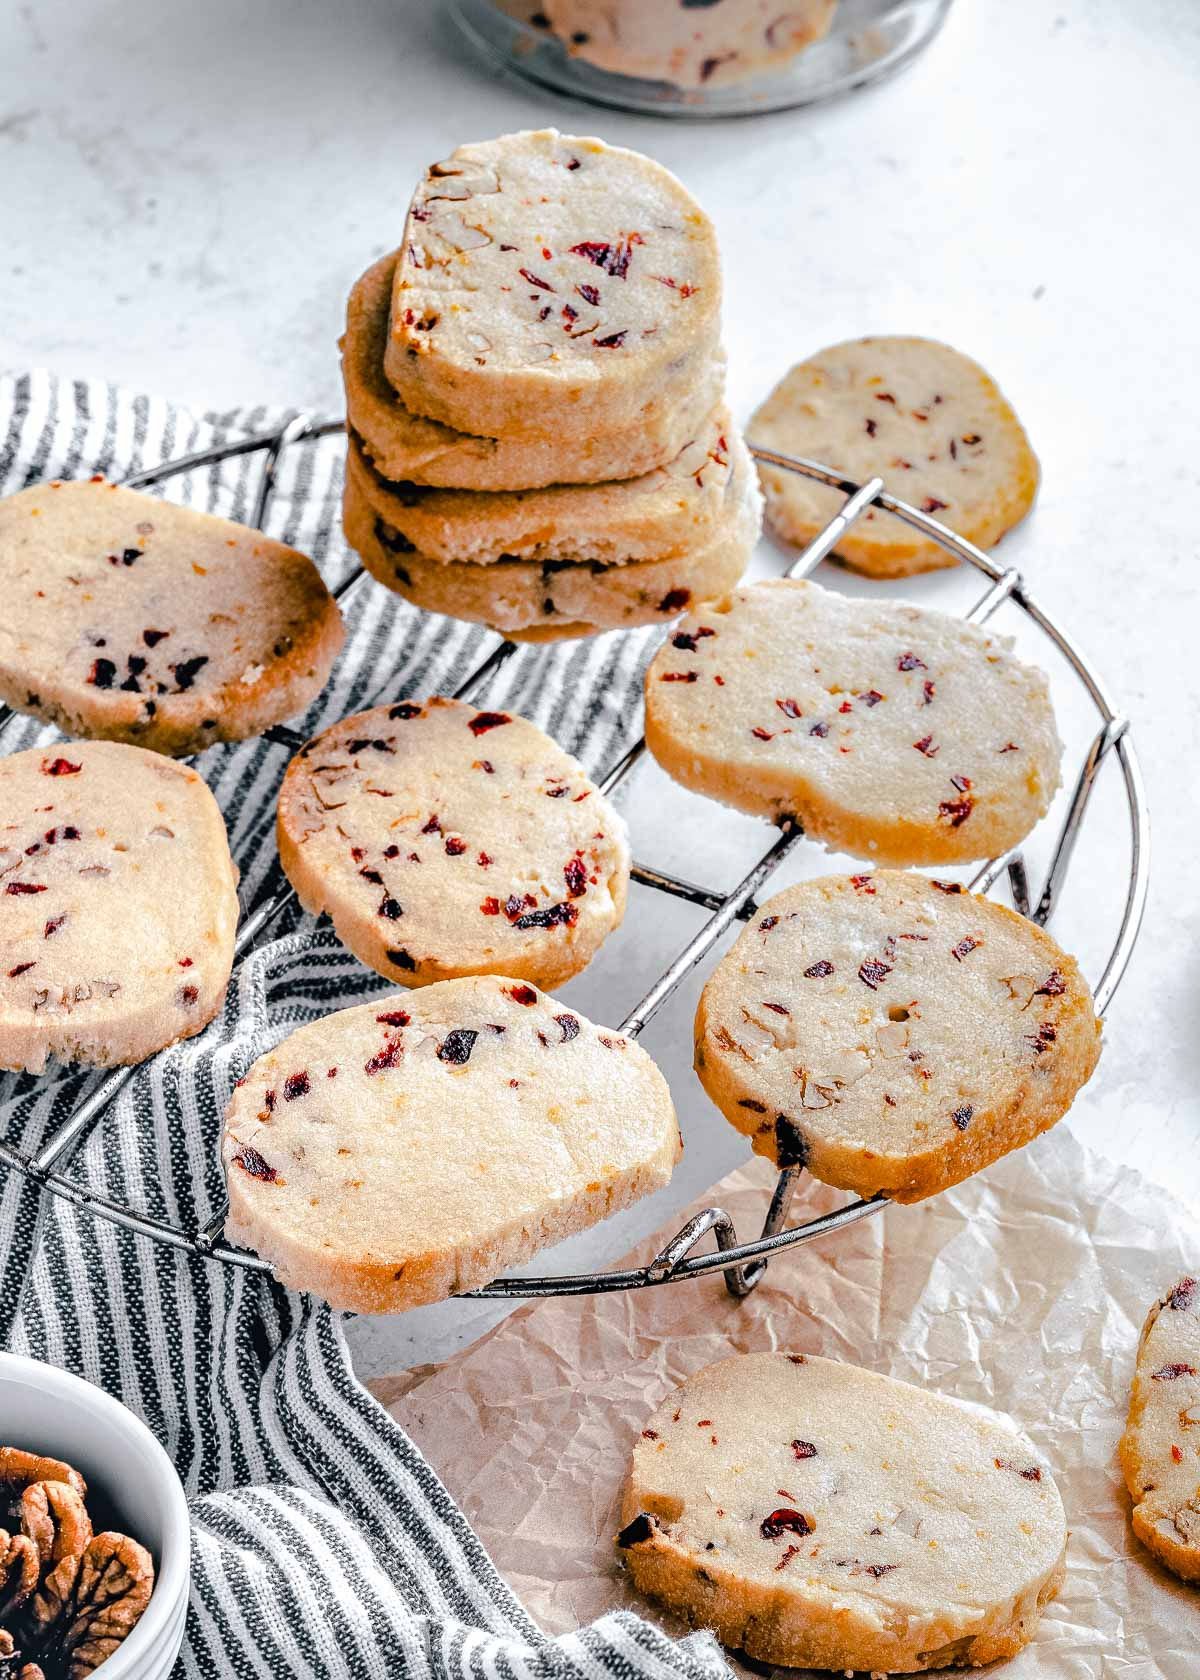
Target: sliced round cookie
670, 511
405, 447
892, 1033
131, 619
891, 732
1160, 1449
924, 417
393, 1154
118, 905
552, 285
696, 44
446, 841
553, 599
817, 1515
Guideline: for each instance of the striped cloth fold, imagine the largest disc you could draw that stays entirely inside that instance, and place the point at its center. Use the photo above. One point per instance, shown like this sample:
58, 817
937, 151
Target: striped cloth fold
324, 1544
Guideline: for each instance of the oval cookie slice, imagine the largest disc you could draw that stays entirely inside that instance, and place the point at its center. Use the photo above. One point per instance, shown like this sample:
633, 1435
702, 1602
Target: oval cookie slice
118, 905
552, 599
1160, 1449
134, 620
924, 417
893, 1034
407, 447
667, 512
552, 284
446, 841
821, 1516
396, 1153
893, 733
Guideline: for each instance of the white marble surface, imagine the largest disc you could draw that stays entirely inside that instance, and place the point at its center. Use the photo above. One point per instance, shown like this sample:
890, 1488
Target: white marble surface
187, 191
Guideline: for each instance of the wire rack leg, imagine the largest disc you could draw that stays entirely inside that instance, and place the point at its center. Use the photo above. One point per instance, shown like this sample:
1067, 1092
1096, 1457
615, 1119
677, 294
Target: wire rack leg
669, 1259
1073, 822
742, 1280
1018, 881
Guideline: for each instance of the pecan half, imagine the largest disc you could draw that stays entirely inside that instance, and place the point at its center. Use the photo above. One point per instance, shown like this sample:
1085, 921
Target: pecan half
18, 1469
20, 1567
55, 1518
116, 1578
56, 1521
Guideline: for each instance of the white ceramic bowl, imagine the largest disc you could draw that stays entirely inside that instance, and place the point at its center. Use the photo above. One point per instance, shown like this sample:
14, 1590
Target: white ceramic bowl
50, 1411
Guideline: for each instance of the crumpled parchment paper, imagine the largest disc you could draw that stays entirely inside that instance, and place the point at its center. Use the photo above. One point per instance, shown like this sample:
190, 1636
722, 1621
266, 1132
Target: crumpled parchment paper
1023, 1290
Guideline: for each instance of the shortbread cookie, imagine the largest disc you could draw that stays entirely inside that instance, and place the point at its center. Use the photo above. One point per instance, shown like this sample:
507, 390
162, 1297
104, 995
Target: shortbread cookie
118, 905
130, 619
1160, 1449
396, 1153
670, 511
407, 448
892, 1033
556, 597
927, 419
818, 1515
552, 285
689, 45
893, 733
446, 841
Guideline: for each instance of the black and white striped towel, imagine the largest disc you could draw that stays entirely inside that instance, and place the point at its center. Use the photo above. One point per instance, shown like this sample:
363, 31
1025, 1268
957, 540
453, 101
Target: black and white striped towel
324, 1544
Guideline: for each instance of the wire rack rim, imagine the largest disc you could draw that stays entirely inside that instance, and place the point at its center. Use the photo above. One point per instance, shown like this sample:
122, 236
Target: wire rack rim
730, 1257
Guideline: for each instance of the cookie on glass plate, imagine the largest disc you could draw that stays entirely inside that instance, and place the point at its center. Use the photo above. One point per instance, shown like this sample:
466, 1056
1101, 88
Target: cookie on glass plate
892, 1033
818, 1515
693, 45
446, 841
406, 447
130, 619
118, 905
927, 419
890, 732
1160, 1449
396, 1153
552, 285
552, 599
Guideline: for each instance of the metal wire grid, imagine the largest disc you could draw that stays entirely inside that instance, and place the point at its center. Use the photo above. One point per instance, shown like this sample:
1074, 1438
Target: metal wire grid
743, 1263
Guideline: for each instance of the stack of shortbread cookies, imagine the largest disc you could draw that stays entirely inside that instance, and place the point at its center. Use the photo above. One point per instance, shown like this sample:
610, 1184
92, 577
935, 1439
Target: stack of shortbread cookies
535, 396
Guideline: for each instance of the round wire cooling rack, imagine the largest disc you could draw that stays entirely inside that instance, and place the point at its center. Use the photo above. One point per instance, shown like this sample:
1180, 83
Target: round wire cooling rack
742, 1263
